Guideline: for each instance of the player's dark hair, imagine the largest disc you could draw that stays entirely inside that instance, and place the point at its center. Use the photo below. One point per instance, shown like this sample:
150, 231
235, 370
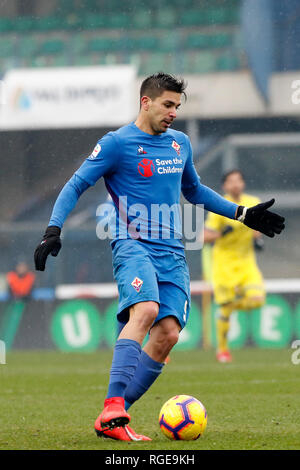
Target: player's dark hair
232, 172
154, 85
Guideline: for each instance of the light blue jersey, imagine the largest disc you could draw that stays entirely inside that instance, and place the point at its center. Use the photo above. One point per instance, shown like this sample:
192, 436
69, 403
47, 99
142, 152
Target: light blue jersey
144, 175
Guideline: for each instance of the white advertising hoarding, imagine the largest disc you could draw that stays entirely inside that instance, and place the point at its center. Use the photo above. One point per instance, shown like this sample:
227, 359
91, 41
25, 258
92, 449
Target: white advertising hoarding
102, 96
68, 97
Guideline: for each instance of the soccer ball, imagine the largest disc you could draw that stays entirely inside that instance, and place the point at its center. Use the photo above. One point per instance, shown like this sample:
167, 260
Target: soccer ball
183, 418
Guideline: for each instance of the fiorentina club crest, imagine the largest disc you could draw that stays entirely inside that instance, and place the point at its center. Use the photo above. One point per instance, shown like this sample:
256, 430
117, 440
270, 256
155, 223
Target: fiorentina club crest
137, 284
176, 147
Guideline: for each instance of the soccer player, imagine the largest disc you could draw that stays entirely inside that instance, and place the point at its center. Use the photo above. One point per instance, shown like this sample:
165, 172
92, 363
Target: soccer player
237, 280
146, 164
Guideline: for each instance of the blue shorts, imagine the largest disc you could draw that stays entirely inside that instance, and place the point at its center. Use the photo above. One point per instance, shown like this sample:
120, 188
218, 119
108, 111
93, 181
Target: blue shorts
144, 273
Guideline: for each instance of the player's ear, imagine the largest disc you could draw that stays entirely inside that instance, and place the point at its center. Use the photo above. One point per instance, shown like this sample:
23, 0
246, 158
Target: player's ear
145, 102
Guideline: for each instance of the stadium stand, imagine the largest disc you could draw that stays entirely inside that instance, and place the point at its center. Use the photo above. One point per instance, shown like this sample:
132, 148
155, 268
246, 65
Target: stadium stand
96, 32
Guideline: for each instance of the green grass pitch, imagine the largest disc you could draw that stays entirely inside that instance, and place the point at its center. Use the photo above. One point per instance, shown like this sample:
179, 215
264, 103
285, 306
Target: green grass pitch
49, 400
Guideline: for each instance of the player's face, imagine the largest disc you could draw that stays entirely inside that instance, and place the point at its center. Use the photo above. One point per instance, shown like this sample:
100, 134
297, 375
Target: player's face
163, 110
234, 185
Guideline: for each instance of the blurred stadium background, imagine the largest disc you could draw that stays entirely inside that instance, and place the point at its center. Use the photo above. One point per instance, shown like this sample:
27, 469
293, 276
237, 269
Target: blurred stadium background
241, 60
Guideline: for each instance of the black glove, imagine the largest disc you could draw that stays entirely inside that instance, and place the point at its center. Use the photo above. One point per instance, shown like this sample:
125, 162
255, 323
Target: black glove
227, 229
51, 243
259, 244
260, 219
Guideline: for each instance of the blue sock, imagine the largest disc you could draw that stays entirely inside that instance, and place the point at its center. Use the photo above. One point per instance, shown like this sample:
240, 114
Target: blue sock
125, 361
146, 373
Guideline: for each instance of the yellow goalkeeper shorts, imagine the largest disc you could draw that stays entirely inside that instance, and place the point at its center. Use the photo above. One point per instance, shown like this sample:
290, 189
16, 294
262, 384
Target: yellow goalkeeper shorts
238, 283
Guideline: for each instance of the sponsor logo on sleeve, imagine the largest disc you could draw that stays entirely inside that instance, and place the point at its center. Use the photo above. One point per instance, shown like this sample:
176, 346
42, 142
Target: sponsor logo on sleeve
95, 152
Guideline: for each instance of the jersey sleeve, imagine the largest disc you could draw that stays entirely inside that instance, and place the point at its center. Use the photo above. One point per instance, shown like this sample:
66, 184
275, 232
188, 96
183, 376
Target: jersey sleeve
101, 162
197, 193
67, 200
190, 178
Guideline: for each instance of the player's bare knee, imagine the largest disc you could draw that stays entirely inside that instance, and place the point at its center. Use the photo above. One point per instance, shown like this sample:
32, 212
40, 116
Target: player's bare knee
168, 337
150, 310
172, 337
145, 313
165, 342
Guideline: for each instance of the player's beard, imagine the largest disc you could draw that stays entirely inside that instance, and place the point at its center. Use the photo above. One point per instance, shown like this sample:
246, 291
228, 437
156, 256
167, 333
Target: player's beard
158, 129
163, 126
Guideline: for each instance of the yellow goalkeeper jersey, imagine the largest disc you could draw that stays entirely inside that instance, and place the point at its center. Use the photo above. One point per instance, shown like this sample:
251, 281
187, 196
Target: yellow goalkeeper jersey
235, 248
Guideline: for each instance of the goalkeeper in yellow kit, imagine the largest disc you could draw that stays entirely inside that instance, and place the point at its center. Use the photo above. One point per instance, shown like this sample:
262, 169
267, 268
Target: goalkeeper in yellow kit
237, 280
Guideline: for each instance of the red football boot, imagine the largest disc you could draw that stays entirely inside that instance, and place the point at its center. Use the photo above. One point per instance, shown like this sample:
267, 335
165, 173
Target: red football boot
224, 356
119, 433
134, 436
114, 414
